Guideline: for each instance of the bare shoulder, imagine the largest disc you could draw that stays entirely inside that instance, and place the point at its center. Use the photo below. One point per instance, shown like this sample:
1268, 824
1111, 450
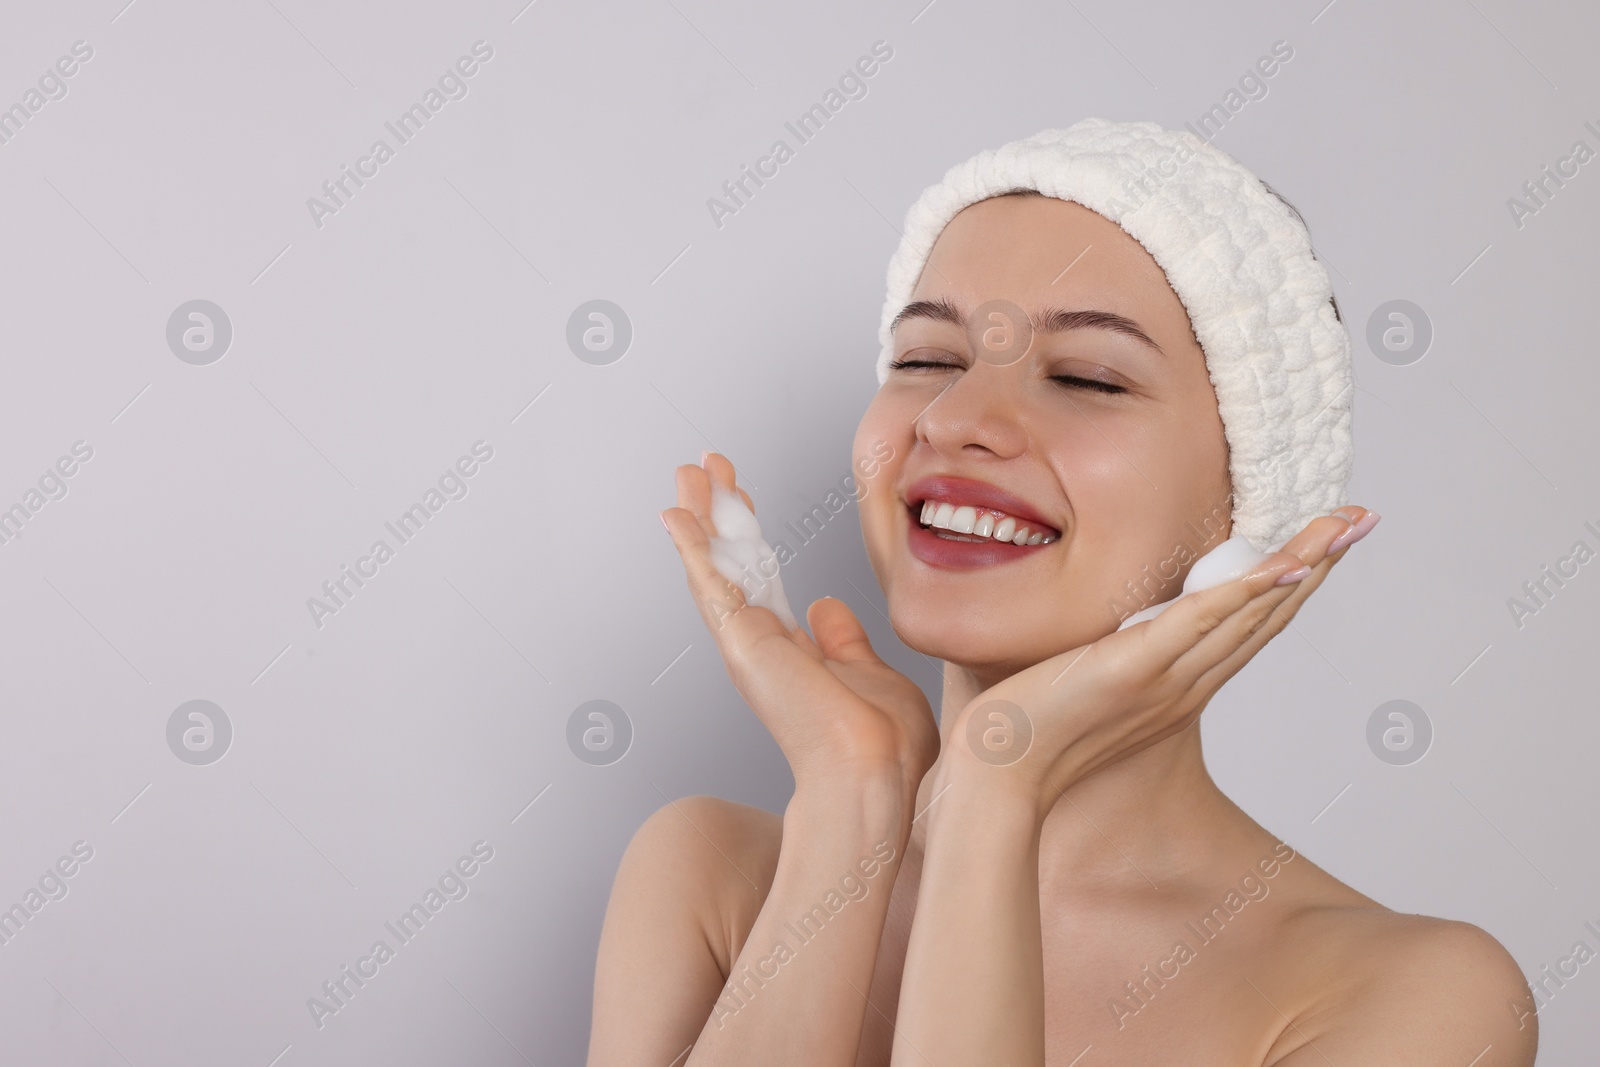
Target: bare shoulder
696, 829
1381, 986
676, 919
713, 855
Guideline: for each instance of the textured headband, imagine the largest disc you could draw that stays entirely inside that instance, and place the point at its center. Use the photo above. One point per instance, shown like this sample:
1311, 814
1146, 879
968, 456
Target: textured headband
1240, 261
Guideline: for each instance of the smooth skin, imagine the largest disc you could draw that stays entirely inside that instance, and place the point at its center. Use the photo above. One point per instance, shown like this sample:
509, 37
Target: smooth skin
968, 909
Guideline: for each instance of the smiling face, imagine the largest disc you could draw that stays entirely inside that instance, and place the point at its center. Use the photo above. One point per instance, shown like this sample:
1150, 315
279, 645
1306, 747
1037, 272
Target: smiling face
1116, 445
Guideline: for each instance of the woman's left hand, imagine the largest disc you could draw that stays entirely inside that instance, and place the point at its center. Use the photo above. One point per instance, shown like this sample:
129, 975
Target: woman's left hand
1061, 720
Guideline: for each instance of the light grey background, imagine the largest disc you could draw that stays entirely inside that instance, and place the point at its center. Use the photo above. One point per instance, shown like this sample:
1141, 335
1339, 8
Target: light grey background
369, 353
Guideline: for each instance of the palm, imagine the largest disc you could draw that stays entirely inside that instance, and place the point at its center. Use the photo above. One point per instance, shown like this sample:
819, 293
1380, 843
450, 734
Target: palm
827, 701
1091, 706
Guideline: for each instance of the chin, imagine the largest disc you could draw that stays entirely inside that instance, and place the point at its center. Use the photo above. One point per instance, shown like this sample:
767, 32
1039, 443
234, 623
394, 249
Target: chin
1000, 644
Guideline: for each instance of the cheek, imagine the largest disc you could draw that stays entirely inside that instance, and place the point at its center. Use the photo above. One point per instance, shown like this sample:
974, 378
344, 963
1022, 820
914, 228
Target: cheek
1099, 459
1156, 461
1139, 489
866, 465
1197, 469
874, 424
882, 441
885, 434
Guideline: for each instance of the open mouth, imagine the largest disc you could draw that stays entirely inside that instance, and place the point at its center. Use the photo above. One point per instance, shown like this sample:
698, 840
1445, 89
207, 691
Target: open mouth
946, 542
950, 521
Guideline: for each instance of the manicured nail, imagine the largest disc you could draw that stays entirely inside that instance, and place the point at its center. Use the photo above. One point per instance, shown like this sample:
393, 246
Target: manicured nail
662, 515
1356, 532
704, 452
1290, 577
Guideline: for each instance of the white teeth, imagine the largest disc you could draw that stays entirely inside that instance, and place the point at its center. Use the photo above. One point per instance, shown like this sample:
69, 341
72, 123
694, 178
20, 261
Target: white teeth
968, 519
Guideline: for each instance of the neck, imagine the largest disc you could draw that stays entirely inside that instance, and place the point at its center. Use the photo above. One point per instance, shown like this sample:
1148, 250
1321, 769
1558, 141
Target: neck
1152, 815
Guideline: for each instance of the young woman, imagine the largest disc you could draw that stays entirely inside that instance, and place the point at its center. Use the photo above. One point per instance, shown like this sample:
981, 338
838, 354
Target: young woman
1045, 873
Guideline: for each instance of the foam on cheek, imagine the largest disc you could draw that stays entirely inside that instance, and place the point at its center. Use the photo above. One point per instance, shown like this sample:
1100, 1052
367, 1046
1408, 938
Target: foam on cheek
741, 556
1229, 561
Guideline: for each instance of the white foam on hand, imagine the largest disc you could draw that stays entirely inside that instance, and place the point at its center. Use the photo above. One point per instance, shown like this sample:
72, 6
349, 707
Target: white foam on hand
740, 555
1229, 561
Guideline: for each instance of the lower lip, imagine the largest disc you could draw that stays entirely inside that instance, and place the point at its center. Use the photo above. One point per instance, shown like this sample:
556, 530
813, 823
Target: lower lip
938, 551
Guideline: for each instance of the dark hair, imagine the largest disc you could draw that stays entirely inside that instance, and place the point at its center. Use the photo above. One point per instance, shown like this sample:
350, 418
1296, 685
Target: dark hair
1023, 190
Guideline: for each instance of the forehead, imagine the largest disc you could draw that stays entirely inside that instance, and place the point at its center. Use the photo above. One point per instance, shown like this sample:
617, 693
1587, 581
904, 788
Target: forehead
1038, 250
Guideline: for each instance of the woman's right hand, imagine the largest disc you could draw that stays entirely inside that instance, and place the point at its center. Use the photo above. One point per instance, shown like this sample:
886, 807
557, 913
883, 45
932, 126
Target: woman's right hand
831, 704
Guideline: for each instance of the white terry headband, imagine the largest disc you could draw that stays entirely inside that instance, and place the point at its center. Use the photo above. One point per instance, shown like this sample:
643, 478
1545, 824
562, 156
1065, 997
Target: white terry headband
1241, 263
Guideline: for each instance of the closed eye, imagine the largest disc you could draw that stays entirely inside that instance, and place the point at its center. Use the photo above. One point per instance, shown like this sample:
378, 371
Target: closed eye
900, 363
1069, 380
1104, 387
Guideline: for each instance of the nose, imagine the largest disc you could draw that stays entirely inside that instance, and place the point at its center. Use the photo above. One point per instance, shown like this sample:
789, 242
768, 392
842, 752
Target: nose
980, 410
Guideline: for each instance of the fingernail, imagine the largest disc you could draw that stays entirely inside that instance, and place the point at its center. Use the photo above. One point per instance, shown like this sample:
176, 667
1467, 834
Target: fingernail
662, 515
1356, 532
1290, 577
704, 452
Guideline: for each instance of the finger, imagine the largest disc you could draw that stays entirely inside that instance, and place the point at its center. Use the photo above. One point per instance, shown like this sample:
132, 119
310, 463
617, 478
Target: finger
1217, 675
716, 597
694, 494
799, 636
720, 474
1213, 621
732, 621
1285, 600
839, 633
720, 471
1275, 604
1188, 619
1310, 535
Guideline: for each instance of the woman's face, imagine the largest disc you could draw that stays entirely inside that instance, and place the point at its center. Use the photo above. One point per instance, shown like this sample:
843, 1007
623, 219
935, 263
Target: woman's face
1135, 481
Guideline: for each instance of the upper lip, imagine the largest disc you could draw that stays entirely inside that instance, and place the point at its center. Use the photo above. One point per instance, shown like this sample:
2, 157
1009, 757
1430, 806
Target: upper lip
961, 491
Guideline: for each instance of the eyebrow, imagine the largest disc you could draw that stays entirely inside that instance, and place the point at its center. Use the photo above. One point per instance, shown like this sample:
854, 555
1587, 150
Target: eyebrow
1051, 320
